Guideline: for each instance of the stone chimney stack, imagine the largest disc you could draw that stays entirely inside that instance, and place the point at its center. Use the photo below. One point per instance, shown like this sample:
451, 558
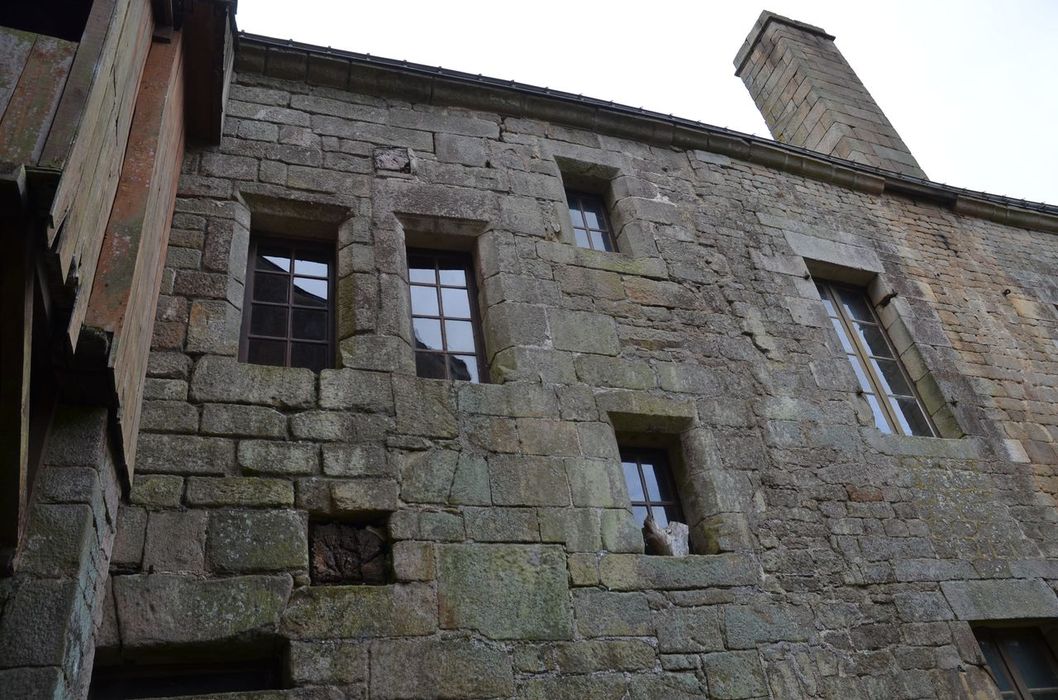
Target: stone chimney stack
811, 97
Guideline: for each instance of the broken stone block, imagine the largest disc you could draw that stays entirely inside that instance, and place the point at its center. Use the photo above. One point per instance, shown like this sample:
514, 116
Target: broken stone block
398, 160
671, 540
348, 553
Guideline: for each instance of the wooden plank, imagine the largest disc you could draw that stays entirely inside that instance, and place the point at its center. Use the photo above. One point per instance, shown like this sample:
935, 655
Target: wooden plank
75, 98
91, 203
32, 105
125, 292
210, 59
88, 143
16, 332
15, 46
128, 75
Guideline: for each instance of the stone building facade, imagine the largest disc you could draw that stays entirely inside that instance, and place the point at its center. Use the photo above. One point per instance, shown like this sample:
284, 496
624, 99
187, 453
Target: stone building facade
830, 558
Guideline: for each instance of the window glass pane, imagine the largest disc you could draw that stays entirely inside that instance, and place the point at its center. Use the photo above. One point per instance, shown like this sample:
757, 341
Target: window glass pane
313, 265
599, 241
582, 238
311, 355
892, 379
873, 340
846, 342
635, 486
427, 334
1030, 659
652, 482
660, 516
460, 336
880, 421
430, 365
453, 274
1045, 695
855, 304
996, 665
456, 302
310, 292
309, 324
592, 219
861, 375
575, 216
825, 296
266, 352
268, 320
639, 513
273, 258
271, 288
672, 512
424, 301
422, 274
463, 368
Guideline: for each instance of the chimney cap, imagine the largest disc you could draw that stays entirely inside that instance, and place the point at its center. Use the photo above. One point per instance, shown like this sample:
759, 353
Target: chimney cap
766, 18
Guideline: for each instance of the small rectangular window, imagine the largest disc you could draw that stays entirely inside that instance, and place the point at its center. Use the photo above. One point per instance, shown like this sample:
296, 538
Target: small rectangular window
651, 488
1021, 662
444, 316
288, 315
180, 679
591, 227
883, 380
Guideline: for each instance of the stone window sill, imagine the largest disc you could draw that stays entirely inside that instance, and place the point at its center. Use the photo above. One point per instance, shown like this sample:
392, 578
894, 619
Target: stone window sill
967, 447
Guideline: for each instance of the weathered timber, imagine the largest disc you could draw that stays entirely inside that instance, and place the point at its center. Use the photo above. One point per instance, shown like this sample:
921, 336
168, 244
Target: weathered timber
210, 59
75, 98
83, 201
16, 328
33, 102
133, 251
15, 46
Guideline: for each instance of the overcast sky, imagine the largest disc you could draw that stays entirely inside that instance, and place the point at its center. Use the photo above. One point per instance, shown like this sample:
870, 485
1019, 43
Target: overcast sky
970, 85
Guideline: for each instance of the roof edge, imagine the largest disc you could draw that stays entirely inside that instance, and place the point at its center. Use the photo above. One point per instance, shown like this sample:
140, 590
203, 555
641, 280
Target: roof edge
347, 70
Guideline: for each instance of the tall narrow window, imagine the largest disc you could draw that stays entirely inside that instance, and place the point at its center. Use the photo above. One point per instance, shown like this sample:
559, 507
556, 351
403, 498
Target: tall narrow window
288, 317
650, 486
444, 316
590, 225
883, 380
1021, 662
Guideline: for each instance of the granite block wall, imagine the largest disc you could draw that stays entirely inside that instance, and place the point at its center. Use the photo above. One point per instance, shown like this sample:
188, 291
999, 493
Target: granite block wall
829, 560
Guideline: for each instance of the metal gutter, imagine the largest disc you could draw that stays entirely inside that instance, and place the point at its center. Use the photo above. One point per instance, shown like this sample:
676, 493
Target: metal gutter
363, 72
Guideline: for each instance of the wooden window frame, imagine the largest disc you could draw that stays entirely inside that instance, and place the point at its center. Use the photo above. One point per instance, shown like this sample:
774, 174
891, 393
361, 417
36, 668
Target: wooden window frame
864, 355
466, 261
660, 460
997, 635
576, 199
294, 245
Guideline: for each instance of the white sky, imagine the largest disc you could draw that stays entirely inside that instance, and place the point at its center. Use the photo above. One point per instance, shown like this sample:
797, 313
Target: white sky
970, 85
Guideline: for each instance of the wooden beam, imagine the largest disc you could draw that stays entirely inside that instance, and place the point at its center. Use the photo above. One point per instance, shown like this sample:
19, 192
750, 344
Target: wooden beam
16, 333
132, 257
32, 106
72, 107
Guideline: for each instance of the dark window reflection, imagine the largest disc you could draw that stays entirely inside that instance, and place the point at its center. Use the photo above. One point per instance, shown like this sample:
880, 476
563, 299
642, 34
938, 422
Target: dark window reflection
444, 324
290, 313
883, 381
650, 486
591, 229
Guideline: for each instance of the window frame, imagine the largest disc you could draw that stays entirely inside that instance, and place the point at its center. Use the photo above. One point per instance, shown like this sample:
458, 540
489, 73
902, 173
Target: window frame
466, 260
996, 636
294, 244
828, 290
575, 199
661, 462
